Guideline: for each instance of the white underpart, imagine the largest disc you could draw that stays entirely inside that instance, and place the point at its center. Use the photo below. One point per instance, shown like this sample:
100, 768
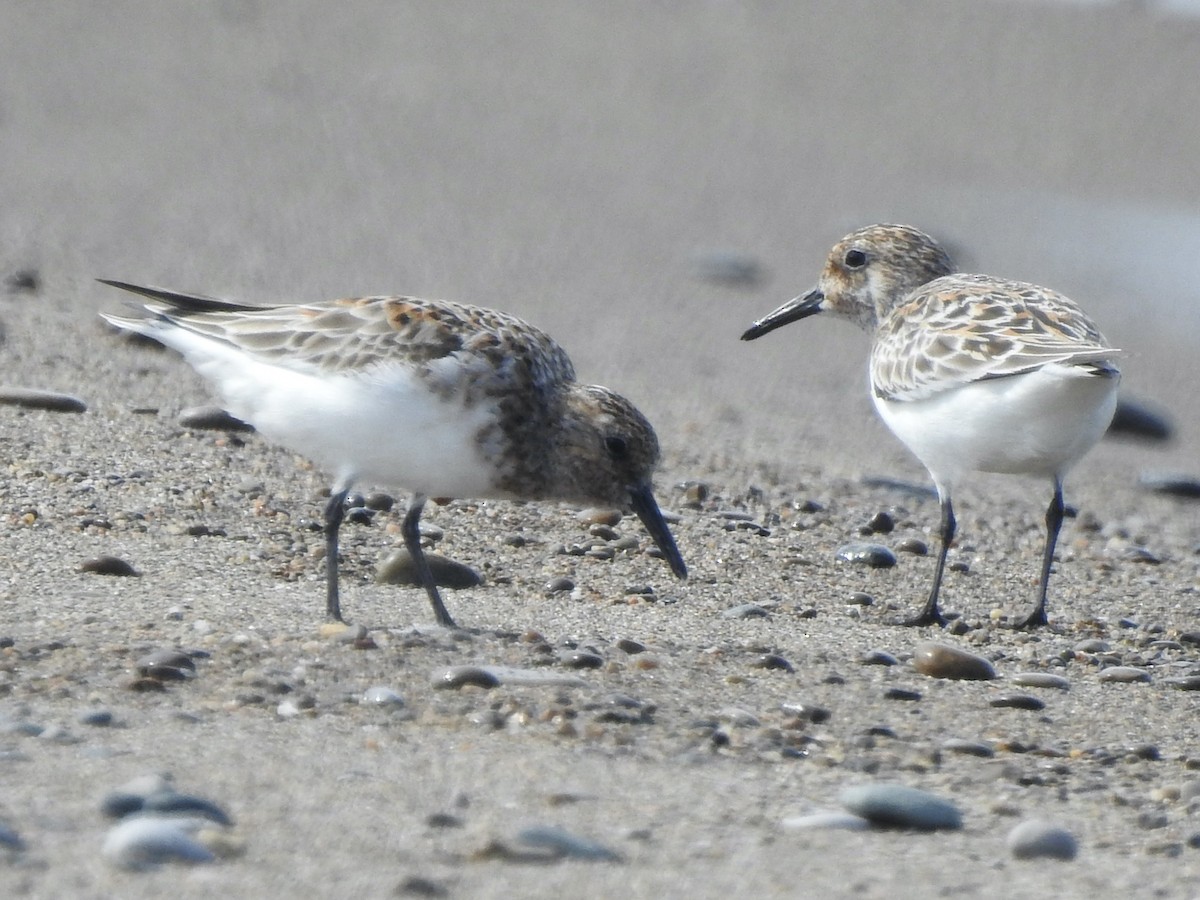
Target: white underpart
1038, 423
381, 427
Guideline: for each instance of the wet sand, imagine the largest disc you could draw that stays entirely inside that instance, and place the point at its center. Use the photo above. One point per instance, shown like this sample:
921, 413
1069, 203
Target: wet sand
582, 167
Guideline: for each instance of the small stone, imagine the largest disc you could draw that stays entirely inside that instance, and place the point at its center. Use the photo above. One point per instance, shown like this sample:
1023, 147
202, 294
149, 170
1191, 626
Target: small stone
968, 748
33, 398
828, 820
559, 585
1137, 419
1041, 680
1017, 701
399, 568
564, 844
808, 712
630, 646
108, 565
881, 523
746, 611
1174, 483
23, 281
211, 418
946, 661
147, 842
381, 502
419, 886
581, 659
860, 598
915, 546
381, 695
456, 677
1123, 675
900, 806
171, 803
1037, 839
876, 556
1183, 683
879, 658
594, 516
99, 718
772, 661
902, 693
166, 665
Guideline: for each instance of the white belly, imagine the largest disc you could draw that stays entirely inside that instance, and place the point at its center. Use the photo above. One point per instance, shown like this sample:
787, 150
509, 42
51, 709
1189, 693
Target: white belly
384, 429
1038, 423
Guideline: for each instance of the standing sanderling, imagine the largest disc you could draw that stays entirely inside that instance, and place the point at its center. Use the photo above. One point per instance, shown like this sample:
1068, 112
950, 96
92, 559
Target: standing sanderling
973, 373
446, 399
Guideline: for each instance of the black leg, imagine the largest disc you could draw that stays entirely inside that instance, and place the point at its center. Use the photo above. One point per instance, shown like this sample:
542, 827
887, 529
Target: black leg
930, 614
335, 511
411, 529
1054, 518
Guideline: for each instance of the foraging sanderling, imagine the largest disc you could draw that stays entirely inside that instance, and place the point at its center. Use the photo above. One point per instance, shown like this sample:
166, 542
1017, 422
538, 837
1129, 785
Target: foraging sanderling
445, 399
972, 373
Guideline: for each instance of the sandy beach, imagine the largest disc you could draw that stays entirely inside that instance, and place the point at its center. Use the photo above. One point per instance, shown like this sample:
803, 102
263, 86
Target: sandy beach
642, 181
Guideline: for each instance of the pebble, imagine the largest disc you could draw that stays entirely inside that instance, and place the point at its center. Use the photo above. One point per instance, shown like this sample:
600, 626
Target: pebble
772, 661
946, 661
1092, 645
1138, 420
381, 502
1017, 701
456, 677
630, 646
808, 712
99, 718
560, 585
831, 819
879, 658
1183, 683
563, 843
166, 665
10, 839
860, 598
147, 842
876, 556
108, 565
915, 546
968, 748
398, 568
381, 695
211, 418
746, 611
901, 693
172, 803
1175, 484
1041, 680
581, 659
1038, 839
900, 806
33, 398
880, 523
1123, 675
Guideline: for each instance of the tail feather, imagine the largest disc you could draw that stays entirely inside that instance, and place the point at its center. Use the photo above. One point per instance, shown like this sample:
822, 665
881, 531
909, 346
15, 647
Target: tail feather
174, 303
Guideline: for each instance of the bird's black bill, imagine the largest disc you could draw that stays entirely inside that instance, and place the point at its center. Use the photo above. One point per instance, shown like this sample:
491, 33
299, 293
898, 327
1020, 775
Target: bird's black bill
643, 503
801, 307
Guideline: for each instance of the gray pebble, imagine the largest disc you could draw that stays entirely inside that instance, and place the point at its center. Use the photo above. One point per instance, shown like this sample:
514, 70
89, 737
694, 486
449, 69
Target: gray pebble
1136, 419
10, 840
456, 677
1176, 484
147, 842
1184, 683
381, 695
908, 695
746, 611
1017, 701
1038, 839
915, 546
398, 568
879, 658
946, 661
166, 665
808, 712
581, 659
876, 556
1123, 675
772, 661
1092, 645
211, 418
172, 803
831, 819
1041, 680
108, 565
381, 502
968, 748
564, 844
33, 398
900, 806
99, 718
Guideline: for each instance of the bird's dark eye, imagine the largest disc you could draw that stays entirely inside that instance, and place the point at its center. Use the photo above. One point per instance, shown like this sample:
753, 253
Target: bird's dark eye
616, 447
855, 259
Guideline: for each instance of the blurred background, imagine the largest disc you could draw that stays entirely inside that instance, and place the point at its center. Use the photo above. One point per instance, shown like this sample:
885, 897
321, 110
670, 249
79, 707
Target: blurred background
640, 179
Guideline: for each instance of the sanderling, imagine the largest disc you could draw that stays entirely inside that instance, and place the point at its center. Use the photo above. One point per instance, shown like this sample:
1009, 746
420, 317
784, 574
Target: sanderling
445, 399
972, 373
